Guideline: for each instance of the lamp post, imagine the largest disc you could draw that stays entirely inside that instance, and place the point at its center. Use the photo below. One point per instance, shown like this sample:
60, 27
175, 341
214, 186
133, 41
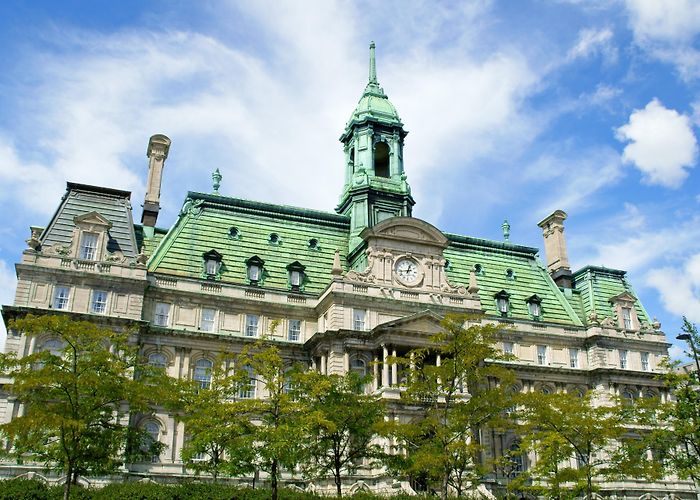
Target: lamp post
688, 337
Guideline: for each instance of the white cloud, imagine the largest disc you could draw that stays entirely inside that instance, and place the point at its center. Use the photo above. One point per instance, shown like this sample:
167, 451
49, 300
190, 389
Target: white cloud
8, 282
661, 144
594, 41
669, 20
676, 352
666, 29
679, 287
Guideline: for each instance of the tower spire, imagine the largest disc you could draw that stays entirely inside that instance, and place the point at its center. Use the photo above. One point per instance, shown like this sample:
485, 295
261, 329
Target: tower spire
372, 64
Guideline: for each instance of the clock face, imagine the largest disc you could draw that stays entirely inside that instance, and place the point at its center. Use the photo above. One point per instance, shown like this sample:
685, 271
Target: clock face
407, 270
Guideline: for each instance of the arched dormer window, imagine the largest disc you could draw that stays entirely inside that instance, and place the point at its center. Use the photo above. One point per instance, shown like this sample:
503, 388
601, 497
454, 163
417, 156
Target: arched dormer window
534, 307
254, 269
381, 160
212, 263
503, 303
296, 275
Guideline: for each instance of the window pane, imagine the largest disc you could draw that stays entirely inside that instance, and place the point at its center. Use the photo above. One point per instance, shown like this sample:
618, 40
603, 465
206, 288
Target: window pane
541, 354
623, 359
157, 359
627, 318
212, 267
88, 246
295, 278
645, 361
358, 319
251, 325
294, 333
253, 272
202, 373
162, 314
248, 391
573, 358
99, 302
508, 347
207, 323
60, 298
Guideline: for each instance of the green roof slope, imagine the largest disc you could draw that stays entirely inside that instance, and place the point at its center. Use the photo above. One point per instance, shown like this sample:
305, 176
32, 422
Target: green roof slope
205, 223
598, 285
528, 278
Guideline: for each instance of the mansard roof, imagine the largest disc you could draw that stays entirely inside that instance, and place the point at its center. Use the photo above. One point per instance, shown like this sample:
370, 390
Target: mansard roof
112, 205
598, 285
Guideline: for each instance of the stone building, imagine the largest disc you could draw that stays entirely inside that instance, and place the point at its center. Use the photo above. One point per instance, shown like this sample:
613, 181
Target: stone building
351, 287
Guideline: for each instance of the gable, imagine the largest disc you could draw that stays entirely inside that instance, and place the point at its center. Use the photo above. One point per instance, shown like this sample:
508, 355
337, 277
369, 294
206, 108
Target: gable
406, 229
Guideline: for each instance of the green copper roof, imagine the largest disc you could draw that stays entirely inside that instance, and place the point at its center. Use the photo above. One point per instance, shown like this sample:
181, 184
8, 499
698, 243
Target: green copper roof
509, 267
598, 285
240, 229
374, 105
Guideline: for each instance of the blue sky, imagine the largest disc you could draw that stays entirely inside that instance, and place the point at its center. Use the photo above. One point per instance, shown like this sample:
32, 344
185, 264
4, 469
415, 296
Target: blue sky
514, 109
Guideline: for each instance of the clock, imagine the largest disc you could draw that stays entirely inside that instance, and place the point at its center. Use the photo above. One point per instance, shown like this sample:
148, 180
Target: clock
407, 270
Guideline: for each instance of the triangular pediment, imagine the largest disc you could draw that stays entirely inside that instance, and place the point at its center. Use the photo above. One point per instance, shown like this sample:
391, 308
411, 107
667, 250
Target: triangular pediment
623, 297
92, 219
407, 229
425, 322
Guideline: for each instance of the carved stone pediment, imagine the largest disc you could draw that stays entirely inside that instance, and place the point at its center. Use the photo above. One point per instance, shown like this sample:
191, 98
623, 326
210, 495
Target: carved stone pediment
623, 298
425, 323
92, 221
406, 229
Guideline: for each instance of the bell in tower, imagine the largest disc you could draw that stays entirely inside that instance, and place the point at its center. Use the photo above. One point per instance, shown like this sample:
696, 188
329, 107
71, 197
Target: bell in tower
375, 183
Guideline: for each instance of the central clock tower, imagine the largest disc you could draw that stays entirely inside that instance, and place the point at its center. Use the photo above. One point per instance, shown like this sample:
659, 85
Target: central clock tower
375, 183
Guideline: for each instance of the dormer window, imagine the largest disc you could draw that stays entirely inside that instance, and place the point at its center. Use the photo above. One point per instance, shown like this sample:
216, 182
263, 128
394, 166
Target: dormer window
313, 244
503, 303
534, 306
623, 308
274, 239
88, 246
212, 263
296, 275
478, 269
255, 269
510, 275
626, 317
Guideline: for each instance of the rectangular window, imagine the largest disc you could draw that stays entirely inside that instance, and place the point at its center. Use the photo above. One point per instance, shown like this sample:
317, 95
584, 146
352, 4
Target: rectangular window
573, 357
623, 359
162, 314
60, 297
645, 361
627, 318
541, 354
251, 325
99, 302
508, 347
294, 332
358, 319
88, 246
212, 267
207, 322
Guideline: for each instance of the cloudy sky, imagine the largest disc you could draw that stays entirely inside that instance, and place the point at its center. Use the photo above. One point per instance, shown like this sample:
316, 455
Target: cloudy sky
514, 109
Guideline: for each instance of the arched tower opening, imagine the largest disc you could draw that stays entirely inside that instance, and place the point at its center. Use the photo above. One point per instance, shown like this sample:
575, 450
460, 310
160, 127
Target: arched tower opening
381, 159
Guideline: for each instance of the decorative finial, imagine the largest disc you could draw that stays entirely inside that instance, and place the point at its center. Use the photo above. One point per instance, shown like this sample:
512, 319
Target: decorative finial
372, 64
216, 180
506, 230
473, 285
337, 269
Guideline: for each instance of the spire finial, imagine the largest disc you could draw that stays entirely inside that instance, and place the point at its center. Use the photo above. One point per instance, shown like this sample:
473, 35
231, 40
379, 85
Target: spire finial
506, 230
216, 180
372, 64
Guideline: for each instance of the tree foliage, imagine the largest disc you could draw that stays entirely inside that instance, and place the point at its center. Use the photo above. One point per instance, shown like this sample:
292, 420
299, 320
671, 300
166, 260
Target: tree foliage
76, 398
576, 438
466, 391
341, 420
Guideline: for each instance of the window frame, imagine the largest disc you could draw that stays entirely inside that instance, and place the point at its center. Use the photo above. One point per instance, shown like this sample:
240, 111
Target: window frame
94, 302
503, 303
164, 318
87, 252
201, 374
542, 355
249, 326
60, 301
623, 356
508, 347
574, 357
296, 331
644, 358
207, 324
356, 320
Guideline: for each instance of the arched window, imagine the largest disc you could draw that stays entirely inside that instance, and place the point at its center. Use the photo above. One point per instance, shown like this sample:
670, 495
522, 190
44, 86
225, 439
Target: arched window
358, 366
157, 359
516, 459
152, 430
381, 160
202, 373
54, 346
248, 391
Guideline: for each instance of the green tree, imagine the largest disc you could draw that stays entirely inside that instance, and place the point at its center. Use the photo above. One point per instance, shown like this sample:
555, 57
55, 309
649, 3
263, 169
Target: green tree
678, 439
602, 436
455, 398
342, 423
278, 417
219, 431
77, 397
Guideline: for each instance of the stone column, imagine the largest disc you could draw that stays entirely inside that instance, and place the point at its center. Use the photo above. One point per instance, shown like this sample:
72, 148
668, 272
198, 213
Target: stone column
375, 373
394, 369
346, 361
323, 364
385, 366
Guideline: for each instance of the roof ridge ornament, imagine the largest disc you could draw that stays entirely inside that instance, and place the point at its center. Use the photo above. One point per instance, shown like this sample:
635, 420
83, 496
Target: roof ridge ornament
216, 180
506, 230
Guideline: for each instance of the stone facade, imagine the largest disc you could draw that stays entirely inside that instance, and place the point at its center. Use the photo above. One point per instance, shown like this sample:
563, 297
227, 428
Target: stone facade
371, 282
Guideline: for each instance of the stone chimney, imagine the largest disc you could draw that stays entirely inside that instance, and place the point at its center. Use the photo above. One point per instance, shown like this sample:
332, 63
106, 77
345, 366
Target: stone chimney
157, 152
555, 248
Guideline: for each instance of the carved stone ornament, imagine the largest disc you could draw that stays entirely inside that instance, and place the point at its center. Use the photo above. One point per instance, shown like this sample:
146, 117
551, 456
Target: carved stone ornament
141, 258
62, 250
192, 207
116, 257
608, 322
656, 325
593, 318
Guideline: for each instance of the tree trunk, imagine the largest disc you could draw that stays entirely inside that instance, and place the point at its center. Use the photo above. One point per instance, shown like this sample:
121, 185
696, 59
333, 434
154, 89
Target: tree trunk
273, 477
67, 484
338, 483
445, 485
